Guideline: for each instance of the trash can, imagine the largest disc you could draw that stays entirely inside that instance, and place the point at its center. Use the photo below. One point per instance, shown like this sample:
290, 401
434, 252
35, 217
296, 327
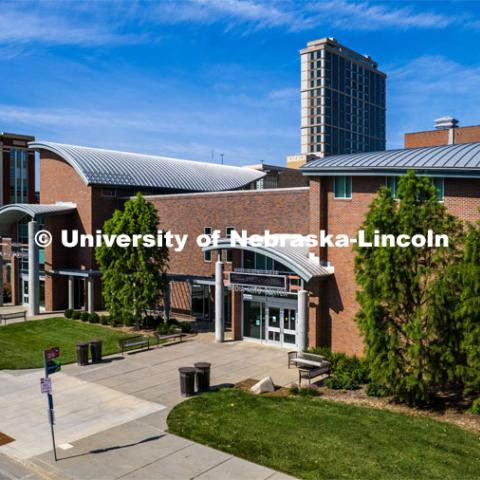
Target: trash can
96, 351
82, 353
187, 381
202, 375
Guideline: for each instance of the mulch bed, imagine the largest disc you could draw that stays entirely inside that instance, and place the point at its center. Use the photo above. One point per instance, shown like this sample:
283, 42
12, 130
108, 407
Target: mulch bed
4, 439
360, 397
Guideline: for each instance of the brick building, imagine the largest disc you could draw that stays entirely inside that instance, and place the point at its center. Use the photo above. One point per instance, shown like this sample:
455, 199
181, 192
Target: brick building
281, 295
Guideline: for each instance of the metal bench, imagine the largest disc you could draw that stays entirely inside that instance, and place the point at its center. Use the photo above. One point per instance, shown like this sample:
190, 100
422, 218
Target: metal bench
175, 335
309, 365
13, 316
138, 341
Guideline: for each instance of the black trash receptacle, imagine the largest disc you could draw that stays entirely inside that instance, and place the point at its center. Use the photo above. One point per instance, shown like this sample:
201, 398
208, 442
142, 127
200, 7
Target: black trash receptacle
96, 351
82, 353
187, 381
202, 374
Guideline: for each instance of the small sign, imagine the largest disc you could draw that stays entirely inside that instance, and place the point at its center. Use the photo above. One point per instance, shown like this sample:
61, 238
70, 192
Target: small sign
52, 353
258, 280
46, 385
53, 366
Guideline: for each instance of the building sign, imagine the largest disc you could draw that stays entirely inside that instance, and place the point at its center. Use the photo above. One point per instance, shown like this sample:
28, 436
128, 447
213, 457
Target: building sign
258, 281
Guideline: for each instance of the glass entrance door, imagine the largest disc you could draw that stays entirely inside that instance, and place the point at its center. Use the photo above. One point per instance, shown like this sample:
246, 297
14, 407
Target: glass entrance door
273, 324
289, 324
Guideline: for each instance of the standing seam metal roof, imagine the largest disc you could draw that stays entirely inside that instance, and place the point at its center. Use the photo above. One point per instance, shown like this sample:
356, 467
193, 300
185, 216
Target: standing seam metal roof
457, 158
108, 167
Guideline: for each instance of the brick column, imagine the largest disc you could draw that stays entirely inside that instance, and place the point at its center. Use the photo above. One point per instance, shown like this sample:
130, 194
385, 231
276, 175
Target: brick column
236, 315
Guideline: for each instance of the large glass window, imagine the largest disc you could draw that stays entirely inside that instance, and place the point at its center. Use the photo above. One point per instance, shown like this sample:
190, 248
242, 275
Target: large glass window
200, 301
207, 256
229, 254
392, 184
253, 318
440, 186
18, 176
342, 187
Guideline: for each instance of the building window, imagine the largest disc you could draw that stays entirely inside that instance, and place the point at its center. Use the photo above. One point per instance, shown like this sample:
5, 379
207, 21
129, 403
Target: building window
18, 176
439, 184
342, 187
392, 184
207, 256
229, 253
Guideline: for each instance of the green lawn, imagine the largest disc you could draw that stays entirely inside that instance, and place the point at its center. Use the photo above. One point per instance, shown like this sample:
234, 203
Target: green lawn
22, 344
316, 439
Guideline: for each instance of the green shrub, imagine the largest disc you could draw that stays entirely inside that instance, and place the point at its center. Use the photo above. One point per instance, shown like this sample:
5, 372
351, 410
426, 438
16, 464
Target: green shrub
163, 328
104, 319
304, 391
475, 407
93, 318
151, 321
84, 316
173, 321
341, 382
76, 315
68, 313
376, 390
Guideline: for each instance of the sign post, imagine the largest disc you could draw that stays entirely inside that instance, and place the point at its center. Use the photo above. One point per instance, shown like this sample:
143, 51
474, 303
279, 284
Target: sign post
52, 365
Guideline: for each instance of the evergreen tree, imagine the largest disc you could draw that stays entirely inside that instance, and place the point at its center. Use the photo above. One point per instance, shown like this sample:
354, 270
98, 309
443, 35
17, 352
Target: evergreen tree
133, 278
401, 294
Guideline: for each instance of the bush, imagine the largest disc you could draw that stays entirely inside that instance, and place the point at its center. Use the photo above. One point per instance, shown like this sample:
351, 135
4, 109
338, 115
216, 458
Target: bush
93, 318
186, 327
376, 390
341, 382
84, 316
347, 373
151, 321
76, 315
475, 407
304, 391
104, 319
68, 313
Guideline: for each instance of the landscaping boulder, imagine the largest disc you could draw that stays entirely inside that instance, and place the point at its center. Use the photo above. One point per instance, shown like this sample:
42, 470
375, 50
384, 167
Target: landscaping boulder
263, 386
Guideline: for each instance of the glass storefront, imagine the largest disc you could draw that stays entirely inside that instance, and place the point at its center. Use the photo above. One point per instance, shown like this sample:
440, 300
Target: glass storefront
200, 307
270, 319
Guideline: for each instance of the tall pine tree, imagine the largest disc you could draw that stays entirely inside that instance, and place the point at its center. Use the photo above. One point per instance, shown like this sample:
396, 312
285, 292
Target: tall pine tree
399, 288
133, 278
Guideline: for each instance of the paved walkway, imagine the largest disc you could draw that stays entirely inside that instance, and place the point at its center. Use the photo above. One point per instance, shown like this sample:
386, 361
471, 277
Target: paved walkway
111, 418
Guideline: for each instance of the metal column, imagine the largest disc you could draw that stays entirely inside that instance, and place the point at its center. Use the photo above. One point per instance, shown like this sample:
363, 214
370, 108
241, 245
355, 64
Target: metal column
71, 292
33, 271
302, 320
90, 295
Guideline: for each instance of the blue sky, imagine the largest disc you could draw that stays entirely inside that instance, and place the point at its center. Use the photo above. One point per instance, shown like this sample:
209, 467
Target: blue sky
188, 78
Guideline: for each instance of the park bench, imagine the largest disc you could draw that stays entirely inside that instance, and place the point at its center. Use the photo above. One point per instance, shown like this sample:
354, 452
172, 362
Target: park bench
309, 365
176, 335
137, 342
13, 316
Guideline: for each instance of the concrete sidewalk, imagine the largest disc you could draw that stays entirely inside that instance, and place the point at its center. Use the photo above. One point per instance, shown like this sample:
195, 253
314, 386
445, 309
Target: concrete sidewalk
111, 417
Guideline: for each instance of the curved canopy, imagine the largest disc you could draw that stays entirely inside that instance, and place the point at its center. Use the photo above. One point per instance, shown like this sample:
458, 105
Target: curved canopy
457, 160
296, 258
16, 211
121, 169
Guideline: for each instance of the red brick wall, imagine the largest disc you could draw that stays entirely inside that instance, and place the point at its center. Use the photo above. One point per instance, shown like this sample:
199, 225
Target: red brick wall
440, 137
281, 211
462, 198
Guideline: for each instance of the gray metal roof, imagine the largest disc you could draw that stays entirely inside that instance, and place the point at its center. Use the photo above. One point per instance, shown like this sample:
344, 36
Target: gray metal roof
296, 258
121, 169
462, 160
14, 212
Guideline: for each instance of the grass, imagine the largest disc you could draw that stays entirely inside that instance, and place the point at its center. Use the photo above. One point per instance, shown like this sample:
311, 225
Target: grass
316, 439
22, 344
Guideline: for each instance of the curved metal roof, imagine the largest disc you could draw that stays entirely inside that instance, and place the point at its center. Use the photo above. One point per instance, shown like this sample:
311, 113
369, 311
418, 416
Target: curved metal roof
16, 211
296, 258
458, 160
122, 169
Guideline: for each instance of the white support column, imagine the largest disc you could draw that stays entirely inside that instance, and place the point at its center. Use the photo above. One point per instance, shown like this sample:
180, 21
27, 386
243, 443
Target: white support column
302, 320
90, 294
33, 274
70, 292
219, 303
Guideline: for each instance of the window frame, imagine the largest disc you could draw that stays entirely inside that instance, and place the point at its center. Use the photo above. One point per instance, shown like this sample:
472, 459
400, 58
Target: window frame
207, 256
349, 177
442, 181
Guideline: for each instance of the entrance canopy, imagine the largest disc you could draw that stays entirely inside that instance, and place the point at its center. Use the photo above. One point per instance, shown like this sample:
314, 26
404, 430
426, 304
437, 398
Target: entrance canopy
287, 252
16, 211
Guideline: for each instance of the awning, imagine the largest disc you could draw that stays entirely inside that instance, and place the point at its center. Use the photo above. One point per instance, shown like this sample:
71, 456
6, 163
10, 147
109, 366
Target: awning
296, 258
14, 212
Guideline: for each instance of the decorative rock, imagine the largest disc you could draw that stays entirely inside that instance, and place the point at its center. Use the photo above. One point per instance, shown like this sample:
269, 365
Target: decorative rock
263, 386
